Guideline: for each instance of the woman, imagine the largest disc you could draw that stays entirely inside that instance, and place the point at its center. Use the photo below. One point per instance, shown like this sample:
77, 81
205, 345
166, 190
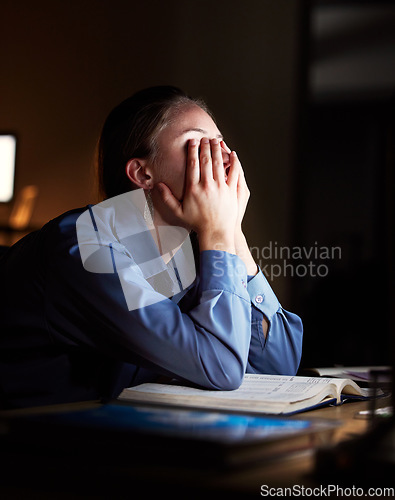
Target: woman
108, 296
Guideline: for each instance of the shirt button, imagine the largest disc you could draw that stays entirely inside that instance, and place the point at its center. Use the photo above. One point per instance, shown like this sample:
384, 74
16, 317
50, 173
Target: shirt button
259, 299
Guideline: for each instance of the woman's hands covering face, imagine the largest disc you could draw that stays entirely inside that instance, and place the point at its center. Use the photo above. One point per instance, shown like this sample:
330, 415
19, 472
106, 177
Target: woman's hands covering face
215, 195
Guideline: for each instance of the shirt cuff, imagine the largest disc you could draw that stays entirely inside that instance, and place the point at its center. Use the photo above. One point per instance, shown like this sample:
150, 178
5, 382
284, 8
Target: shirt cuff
262, 295
221, 270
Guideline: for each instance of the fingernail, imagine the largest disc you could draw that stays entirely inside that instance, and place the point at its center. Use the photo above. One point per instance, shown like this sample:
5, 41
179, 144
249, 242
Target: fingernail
193, 142
214, 141
205, 140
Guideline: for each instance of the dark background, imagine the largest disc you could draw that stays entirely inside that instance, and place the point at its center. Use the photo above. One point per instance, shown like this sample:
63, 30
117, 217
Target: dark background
345, 182
303, 91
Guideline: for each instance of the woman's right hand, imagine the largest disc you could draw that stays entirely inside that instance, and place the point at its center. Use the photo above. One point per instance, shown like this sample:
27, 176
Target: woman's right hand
209, 205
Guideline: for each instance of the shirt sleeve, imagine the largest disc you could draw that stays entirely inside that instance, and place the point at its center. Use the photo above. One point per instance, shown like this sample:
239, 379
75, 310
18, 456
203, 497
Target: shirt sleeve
207, 345
280, 351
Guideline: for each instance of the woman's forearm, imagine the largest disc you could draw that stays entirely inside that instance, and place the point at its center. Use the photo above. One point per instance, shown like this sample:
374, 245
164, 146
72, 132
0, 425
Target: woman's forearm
243, 251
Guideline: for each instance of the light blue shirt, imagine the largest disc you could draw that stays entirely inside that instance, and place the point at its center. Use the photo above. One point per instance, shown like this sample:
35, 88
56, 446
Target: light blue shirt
84, 341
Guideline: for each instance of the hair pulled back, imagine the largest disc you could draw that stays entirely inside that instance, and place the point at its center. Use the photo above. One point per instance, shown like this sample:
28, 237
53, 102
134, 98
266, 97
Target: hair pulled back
131, 130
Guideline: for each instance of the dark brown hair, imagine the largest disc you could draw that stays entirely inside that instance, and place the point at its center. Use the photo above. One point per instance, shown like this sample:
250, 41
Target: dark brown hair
131, 130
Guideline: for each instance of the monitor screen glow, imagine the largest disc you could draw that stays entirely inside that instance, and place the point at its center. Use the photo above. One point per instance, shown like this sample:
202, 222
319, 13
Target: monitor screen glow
7, 166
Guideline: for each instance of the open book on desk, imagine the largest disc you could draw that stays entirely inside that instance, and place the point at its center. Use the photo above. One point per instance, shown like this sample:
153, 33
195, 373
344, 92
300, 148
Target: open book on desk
265, 394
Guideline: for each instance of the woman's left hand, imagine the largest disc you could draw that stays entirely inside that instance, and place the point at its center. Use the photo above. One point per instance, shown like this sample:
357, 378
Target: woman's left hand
243, 193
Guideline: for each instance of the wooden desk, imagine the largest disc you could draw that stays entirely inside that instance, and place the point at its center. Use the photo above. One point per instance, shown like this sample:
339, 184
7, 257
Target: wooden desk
35, 475
299, 469
295, 469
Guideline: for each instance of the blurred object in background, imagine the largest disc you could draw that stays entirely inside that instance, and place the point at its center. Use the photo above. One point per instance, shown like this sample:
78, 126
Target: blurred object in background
22, 210
21, 215
7, 166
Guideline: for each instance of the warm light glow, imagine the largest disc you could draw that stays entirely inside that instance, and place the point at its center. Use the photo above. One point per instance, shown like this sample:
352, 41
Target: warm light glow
7, 166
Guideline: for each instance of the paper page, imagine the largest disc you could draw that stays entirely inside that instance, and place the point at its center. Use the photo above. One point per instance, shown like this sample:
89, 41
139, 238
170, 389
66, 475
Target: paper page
254, 388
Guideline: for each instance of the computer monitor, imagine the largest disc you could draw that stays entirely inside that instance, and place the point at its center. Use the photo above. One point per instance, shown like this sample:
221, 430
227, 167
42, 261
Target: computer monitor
7, 166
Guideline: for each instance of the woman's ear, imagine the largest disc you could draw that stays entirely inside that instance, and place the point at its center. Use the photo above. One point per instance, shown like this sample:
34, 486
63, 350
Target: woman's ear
139, 173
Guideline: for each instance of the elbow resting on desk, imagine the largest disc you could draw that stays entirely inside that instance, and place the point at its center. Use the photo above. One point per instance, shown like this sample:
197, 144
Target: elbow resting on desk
224, 376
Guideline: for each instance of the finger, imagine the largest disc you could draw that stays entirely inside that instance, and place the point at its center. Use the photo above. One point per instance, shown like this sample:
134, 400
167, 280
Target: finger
225, 147
234, 169
225, 153
242, 188
168, 199
217, 161
241, 180
192, 175
206, 168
